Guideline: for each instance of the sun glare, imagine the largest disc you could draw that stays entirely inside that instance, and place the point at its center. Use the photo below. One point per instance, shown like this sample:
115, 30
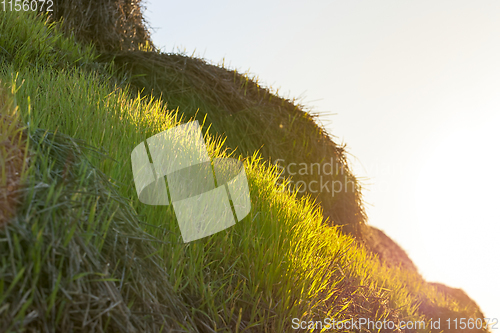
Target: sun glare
456, 192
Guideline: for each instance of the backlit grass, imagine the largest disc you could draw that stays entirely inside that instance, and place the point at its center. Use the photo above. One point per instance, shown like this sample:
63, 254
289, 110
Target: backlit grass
82, 253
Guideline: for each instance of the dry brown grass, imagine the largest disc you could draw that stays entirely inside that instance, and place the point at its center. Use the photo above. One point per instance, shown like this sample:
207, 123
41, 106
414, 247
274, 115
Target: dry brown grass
111, 25
387, 250
12, 156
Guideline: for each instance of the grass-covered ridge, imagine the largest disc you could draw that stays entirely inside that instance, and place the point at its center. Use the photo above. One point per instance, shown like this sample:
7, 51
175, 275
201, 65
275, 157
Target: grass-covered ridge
81, 253
251, 118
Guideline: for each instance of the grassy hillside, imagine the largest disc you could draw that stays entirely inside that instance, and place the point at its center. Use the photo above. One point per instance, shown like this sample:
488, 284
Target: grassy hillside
81, 253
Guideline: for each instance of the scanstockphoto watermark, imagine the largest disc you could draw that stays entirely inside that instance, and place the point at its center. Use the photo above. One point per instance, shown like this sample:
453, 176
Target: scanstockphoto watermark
359, 324
329, 177
366, 324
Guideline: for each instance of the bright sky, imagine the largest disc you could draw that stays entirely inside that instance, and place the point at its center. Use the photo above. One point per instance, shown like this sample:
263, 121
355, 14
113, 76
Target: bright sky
414, 87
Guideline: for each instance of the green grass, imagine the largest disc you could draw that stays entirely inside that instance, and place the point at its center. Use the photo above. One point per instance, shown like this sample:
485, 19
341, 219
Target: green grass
252, 119
82, 253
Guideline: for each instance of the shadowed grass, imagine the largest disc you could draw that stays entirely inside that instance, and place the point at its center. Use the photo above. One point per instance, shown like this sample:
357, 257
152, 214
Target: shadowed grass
29, 43
83, 253
74, 257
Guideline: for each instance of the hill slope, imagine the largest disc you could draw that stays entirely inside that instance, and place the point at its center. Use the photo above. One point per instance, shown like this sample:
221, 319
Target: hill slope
81, 253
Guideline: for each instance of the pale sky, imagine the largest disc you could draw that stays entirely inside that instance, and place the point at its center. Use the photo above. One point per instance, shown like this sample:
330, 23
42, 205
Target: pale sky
412, 88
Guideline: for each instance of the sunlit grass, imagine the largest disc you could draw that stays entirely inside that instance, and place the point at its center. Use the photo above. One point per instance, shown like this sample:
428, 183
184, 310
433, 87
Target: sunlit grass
83, 236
